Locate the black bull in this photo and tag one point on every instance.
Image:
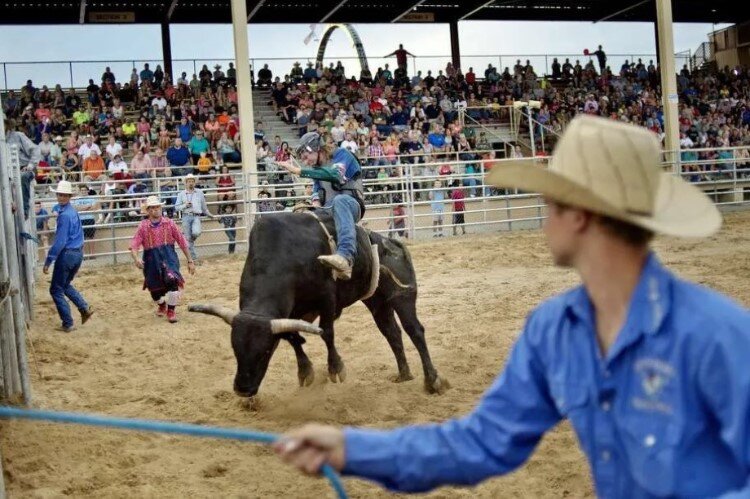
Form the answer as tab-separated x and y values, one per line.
284	288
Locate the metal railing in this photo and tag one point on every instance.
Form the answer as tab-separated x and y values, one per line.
76	73
414	200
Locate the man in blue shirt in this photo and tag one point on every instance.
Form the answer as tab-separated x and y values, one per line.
179	159
651	371
66	254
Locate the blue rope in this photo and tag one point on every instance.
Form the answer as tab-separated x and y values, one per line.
161	427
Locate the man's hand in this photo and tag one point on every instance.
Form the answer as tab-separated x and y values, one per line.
290	167
139	263
46	269
311	446
191	267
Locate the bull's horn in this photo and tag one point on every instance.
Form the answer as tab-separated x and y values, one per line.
279	326
225	313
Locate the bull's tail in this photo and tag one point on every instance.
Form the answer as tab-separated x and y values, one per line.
385	270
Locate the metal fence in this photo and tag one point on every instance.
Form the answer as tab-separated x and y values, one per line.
77	73
415	197
17	269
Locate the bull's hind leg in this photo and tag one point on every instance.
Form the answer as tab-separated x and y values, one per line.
407	311
386	322
305	372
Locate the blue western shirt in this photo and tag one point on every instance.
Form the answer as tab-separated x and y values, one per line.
665	413
68	235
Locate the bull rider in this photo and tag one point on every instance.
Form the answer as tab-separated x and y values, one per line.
337	186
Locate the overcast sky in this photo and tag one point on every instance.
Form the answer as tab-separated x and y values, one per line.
210	43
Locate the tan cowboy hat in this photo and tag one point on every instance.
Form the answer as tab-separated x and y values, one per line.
152	201
63	187
614	169
189	176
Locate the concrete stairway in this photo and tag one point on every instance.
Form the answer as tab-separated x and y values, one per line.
272	125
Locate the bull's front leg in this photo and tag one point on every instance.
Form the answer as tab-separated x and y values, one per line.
336	368
305	372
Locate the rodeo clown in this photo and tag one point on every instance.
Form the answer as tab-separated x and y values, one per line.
157	235
337	186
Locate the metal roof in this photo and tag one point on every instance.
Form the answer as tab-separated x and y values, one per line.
361	11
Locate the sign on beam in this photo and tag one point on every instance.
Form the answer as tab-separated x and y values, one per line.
418	17
112	17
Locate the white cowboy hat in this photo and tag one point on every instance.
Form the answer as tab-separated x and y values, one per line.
189	176
614	169
63	187
58	138
152	201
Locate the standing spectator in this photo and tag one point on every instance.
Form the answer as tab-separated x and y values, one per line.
398	220
601	58
66	254
459	207
157	236
401	57
147	76
29	157
41	216
179	159
192	203
229	222
108	76
437	196
84	204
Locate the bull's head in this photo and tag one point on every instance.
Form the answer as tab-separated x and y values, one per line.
254	340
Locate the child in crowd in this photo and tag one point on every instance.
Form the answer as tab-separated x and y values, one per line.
229	221
437	196
398	221
459	206
204	164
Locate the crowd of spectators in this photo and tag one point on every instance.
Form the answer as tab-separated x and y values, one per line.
125	134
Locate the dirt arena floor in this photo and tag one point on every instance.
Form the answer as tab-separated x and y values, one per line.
475	292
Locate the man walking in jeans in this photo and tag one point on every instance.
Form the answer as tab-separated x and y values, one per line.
192	203
67	254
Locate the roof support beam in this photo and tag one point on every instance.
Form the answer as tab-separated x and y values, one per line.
255	9
170	10
408	10
82	13
335	9
475	10
626	9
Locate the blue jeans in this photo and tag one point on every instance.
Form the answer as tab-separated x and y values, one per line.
191	227
26	179
346	213
66	268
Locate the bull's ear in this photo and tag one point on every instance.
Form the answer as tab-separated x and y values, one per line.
281	326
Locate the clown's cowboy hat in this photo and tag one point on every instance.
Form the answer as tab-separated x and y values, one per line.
614	169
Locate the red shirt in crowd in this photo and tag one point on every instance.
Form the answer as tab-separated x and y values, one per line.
458	200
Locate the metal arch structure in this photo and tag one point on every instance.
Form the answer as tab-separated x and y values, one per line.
356	41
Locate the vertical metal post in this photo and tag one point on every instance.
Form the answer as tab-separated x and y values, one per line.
70	68
455	48
166	49
245	102
546	65
195	68
410	200
5	75
531	132
484	193
668	80
507	211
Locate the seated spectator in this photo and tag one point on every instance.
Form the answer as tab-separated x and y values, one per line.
117	165
179	159
203	165
140	165
85	150
197	145
225	184
93	166
227	149
265	77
